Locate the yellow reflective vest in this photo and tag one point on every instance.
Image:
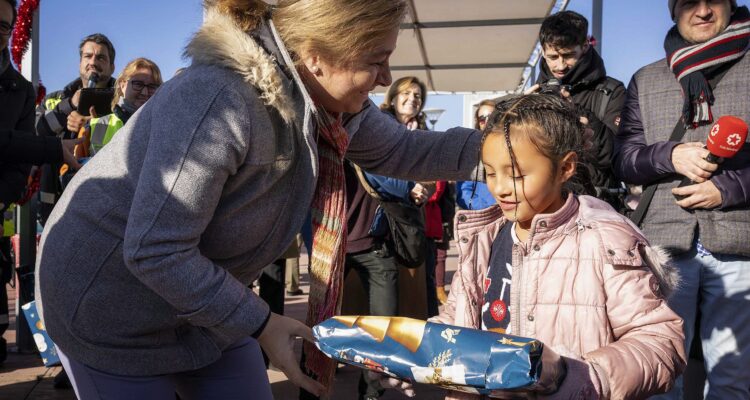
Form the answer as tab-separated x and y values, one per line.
103	129
9	227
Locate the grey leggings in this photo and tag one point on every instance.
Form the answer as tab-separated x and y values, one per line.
238	374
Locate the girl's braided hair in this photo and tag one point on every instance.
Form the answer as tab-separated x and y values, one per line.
553	125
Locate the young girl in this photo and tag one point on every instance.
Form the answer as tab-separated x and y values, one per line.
565	269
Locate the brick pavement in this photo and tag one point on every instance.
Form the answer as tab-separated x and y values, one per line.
23	377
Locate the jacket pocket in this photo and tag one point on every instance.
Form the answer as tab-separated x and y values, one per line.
115	309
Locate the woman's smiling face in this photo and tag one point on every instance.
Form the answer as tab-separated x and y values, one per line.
408	103
345	88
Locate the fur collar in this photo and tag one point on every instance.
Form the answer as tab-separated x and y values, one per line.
220	42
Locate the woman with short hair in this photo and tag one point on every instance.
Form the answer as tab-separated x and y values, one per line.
144	290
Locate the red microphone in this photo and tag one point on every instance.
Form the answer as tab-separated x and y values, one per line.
724	141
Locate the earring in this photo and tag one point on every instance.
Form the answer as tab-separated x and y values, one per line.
314	70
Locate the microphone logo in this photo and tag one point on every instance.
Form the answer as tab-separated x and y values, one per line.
715	129
734	139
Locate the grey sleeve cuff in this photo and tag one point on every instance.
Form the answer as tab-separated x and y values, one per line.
234	312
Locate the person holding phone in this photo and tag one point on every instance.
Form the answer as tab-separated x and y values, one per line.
58	113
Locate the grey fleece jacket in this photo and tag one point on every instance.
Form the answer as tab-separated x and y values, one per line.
146	258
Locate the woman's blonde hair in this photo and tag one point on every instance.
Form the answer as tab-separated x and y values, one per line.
338	30
130	70
399	86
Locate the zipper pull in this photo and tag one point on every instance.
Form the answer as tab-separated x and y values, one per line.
579	223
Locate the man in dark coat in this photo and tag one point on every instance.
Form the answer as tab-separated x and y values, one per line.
573	69
670	109
19	148
17	105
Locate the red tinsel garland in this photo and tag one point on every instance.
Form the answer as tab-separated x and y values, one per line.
22	31
22	37
41	91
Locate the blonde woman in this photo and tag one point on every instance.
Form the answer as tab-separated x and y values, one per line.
136	84
144	290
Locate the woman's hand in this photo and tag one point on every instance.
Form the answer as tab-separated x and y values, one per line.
392	383
277	339
419	194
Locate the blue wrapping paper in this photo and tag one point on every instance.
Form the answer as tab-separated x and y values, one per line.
453	357
47	349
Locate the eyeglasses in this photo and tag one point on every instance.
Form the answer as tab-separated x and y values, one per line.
5	28
139	85
482	119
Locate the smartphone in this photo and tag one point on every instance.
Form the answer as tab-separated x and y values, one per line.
100	98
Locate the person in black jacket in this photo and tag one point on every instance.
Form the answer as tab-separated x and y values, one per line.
17	104
573	69
17	112
19	148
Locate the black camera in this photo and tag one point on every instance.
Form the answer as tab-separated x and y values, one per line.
553	86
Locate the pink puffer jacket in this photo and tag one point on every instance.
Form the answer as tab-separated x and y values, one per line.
587	284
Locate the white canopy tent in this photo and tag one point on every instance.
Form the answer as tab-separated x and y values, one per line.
472	45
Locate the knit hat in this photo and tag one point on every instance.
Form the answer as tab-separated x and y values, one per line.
673	3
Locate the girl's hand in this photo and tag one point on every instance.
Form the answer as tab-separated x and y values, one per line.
277	339
553	371
388	382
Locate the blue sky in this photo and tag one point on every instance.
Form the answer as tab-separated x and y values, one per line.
633	34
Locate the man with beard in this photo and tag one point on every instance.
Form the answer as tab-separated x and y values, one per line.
58	114
670	108
573	69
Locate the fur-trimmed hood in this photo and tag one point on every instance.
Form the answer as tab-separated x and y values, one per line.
220	42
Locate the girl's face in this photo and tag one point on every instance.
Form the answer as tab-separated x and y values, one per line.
408	102
139	88
345	88
538	186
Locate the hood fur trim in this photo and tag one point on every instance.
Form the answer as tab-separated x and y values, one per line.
658	259
220	42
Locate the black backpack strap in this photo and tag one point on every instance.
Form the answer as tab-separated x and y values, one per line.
605	88
648	193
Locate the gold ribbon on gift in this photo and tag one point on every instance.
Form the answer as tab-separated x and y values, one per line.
405	331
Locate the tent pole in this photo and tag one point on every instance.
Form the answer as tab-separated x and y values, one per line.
596	23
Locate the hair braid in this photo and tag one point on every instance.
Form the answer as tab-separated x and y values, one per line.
559	132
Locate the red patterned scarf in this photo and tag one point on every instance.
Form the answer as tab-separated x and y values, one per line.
329	238
690	63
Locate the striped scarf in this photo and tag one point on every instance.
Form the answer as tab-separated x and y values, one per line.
329	238
692	62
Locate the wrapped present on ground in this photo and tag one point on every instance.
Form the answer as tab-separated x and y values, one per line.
47	349
454	357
